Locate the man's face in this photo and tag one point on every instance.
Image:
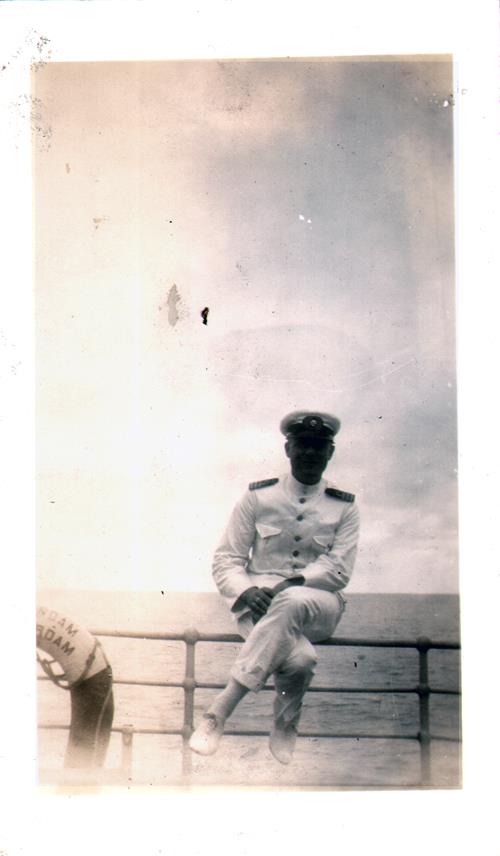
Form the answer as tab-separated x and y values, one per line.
308	457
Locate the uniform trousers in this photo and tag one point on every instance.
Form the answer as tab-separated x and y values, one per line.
92	710
280	644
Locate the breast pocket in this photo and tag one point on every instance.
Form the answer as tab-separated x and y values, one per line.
268	546
323	542
266	531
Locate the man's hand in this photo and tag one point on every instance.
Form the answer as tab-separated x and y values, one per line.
258	600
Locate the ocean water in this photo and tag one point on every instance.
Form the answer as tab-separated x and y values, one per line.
343	762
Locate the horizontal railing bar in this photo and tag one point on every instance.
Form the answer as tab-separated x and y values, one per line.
322	734
133	683
177	732
445	738
251	733
234	637
211	686
445	692
51	726
200	685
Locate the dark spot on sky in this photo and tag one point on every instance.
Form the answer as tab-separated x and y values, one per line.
204	314
172	301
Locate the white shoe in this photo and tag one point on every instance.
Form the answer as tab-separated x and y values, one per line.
206	738
282	742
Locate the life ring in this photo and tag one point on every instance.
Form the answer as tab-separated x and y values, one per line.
86	673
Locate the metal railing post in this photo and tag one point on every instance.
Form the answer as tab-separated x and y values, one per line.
423	645
190	637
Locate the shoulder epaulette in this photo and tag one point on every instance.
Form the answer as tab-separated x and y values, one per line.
340	494
265	483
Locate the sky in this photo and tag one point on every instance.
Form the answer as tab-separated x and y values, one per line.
308	204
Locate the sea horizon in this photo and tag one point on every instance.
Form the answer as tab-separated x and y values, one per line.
384	615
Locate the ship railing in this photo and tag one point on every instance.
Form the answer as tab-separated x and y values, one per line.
192	637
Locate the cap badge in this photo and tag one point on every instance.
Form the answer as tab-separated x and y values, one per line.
313	423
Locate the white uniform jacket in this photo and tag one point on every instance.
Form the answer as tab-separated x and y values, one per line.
284	529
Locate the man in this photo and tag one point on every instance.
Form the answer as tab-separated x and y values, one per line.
87	675
286	554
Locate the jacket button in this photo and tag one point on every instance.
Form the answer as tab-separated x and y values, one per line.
296	553
297	538
300	517
302	499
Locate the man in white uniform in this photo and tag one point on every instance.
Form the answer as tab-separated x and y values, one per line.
286	554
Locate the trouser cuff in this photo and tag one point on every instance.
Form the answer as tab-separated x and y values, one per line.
248	680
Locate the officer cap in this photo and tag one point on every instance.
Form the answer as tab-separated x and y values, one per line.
303	423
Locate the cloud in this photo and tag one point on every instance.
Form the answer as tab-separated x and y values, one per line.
202	171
